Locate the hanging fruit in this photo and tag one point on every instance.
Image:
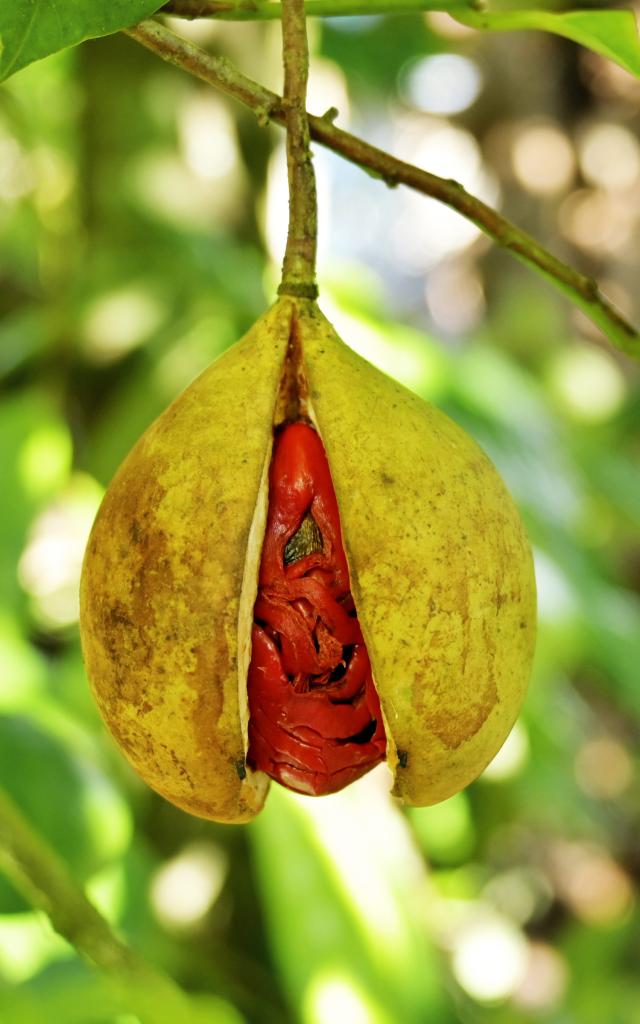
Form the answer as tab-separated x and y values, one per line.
393	569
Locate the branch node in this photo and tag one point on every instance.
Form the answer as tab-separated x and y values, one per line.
299	291
330	115
263	116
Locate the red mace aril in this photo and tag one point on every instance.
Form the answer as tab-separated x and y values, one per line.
315	723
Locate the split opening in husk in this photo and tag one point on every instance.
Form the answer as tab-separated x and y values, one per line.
313	717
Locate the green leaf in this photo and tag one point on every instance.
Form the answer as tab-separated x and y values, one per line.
340	907
32	29
614	34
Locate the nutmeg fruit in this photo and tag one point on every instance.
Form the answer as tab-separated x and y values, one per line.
440	572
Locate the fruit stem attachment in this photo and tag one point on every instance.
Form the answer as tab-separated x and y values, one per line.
299	264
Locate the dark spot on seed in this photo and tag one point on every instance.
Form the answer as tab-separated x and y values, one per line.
403	758
241	769
306	541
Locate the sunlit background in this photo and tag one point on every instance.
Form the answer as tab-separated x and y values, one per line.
142	221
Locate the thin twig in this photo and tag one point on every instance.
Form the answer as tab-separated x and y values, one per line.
42	877
581	290
299	264
267	10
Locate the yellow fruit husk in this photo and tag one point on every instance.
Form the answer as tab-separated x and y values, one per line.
441	571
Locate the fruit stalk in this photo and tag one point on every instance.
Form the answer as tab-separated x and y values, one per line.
299	264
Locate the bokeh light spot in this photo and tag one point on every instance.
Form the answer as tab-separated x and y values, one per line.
545	980
27	945
56	179
445	83
610	156
185	888
520	893
446	26
207	137
543	159
455	296
119	321
44	460
588	383
595	887
490	958
425	231
49	569
594	221
604	768
16	172
334	996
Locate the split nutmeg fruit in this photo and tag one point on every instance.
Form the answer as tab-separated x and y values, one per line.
236	626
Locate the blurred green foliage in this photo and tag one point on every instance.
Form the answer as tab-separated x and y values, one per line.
137	215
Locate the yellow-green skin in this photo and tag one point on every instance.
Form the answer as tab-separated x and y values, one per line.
441	574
